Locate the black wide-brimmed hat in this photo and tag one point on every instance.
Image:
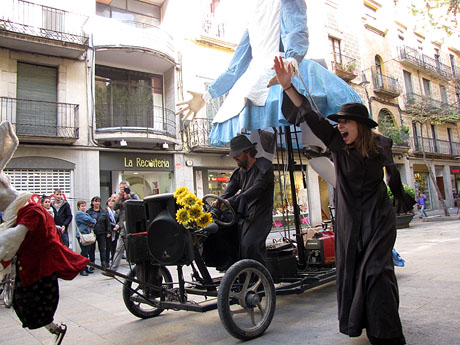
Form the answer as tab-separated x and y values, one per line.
239	144
354	111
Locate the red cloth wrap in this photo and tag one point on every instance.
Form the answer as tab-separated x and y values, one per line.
42	252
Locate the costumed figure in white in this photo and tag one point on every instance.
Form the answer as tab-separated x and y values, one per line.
30	235
277	28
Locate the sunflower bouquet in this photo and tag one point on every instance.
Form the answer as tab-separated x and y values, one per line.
191	214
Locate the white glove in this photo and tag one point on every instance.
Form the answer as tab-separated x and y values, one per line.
193	105
10	241
286	62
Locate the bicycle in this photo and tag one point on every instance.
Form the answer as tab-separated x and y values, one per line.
7	286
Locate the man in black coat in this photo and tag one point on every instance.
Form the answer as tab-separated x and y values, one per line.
62	215
250	192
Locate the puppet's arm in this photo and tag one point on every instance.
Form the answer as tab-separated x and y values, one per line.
10	241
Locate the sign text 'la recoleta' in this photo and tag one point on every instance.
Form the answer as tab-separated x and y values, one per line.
145	163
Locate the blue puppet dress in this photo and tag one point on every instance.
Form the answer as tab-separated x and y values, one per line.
277	27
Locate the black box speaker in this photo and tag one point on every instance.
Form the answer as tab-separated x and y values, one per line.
137	247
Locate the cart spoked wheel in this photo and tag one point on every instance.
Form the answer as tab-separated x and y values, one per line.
134	293
246	299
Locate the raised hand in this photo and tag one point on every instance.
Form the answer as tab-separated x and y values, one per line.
287	67
193	106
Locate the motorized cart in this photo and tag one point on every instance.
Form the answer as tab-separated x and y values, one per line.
245	295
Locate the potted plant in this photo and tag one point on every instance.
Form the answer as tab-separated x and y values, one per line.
403	219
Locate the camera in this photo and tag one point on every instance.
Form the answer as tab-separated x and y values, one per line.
127	190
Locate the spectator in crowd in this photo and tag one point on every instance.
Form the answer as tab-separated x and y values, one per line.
102	229
113	217
421	201
62	215
46	203
124	194
84	224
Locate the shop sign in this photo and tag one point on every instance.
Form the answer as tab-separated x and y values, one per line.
133	161
219	178
455	170
139	162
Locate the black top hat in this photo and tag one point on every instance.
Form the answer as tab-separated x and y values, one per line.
239	144
354	111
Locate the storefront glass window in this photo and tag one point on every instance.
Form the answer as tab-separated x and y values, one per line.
218	181
422	186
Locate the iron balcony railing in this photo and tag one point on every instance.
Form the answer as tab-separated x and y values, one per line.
40	118
27	18
430	145
415	103
385	84
197	132
135	118
197	135
418	58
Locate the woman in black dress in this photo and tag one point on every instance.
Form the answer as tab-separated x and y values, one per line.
367	291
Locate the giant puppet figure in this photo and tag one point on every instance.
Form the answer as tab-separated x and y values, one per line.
29	234
277	28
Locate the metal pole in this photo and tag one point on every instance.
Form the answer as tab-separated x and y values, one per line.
291	163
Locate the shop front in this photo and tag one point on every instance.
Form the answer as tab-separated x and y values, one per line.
422	183
147	173
455	173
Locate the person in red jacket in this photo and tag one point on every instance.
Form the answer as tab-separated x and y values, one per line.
29	234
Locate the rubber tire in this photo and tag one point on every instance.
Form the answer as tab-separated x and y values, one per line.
230	312
136	307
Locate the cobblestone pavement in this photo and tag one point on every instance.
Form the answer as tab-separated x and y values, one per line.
429	287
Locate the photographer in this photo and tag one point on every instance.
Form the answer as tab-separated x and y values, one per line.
123	195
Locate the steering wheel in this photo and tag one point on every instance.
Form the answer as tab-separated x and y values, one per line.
218	206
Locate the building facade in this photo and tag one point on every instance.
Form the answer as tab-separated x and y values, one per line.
92	91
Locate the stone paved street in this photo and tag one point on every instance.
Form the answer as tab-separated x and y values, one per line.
429	286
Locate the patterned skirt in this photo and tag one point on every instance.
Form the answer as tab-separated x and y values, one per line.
36	304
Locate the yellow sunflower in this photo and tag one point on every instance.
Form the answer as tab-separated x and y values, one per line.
195	213
181	191
189	200
182	216
204	220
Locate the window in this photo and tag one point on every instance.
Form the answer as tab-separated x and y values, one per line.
336	50
426	87
131	12
453	65
443	93
408	82
128	98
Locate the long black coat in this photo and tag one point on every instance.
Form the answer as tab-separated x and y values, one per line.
251	195
367	291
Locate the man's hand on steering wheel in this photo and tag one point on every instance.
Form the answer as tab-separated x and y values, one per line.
217	208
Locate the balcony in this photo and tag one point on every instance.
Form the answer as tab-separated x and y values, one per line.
41	29
41	121
435	146
385	86
135	122
417	104
134	45
434	67
197	136
344	67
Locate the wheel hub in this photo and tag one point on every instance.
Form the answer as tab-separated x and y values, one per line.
252	299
